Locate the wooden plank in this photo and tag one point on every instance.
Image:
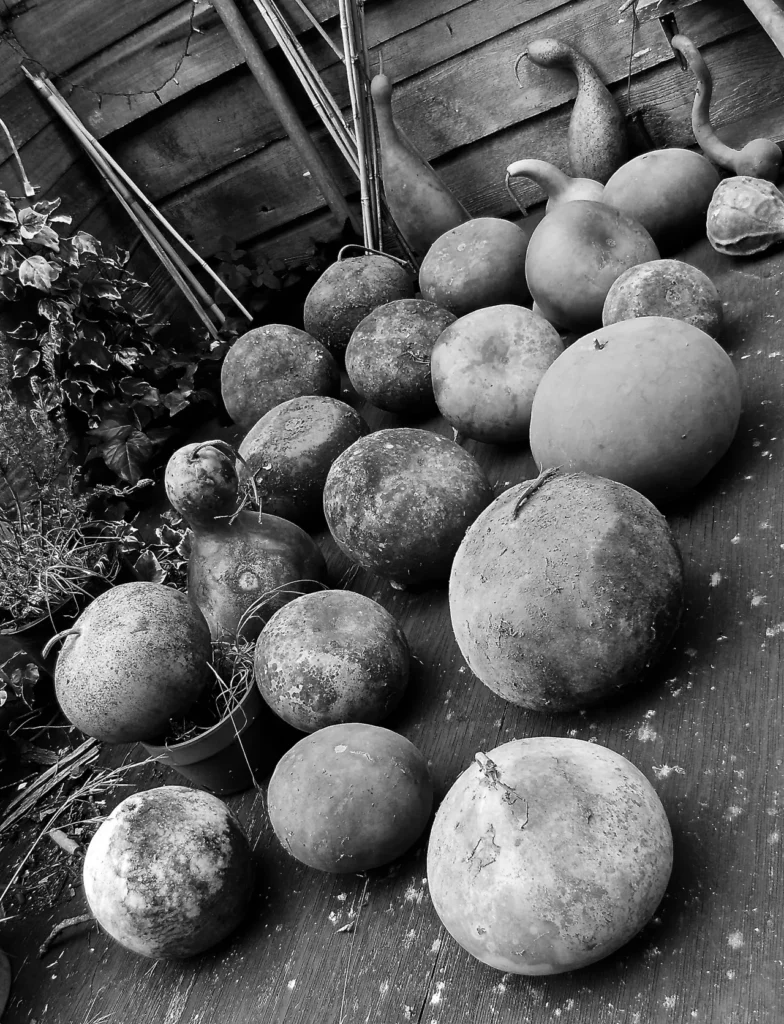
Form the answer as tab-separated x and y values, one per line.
707	731
59	36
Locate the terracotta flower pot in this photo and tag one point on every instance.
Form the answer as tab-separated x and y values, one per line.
233	755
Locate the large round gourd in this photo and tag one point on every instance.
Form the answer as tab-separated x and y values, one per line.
575	254
548	854
398	502
347	291
350	797
289	451
486	367
272	364
668	192
169	873
665	288
479	263
564	591
652	402
138	655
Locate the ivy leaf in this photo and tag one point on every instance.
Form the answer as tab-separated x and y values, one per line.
127	357
31	222
50	309
80	394
47	237
148	569
9	288
105	290
47	206
143	392
7	211
85	352
124	449
175	402
26	331
38	272
25	360
84	242
9	259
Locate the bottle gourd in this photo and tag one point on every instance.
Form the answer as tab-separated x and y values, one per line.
421	205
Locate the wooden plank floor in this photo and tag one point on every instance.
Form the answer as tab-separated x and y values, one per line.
708	732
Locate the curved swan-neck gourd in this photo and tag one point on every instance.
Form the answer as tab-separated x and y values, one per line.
420	203
558	186
596	140
759	158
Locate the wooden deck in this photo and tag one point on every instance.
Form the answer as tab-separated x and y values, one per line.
708	733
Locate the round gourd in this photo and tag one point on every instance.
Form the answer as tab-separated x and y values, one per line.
576	253
665	288
169	873
289	451
564	590
271	364
548	854
398	502
486	367
331	657
653	402
388	354
138	655
347	291
479	263
350	797
668	192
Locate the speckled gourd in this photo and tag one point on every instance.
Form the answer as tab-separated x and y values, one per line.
597	142
745	216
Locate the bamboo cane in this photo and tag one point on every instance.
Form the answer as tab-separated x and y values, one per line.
48	90
771	18
260	68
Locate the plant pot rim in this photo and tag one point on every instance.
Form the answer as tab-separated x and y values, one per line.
216	738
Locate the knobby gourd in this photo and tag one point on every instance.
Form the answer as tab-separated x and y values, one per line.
745	216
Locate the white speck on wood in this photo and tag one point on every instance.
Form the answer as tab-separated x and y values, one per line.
715	579
735	539
774	838
645	734
436	946
735	940
757	599
663	771
290	984
437	996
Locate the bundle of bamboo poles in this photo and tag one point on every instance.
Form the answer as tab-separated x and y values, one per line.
149	220
358	144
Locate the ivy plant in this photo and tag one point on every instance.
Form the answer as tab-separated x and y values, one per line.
73	337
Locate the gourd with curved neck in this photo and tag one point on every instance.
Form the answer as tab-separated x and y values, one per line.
242	565
759	158
421	205
557	186
596	138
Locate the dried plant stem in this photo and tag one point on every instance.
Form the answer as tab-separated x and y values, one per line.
48	90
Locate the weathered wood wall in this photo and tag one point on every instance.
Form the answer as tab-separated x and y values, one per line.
162	85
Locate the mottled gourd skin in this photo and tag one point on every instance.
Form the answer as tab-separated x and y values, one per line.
331	657
289	452
201	482
350	798
563	598
271	364
388	354
234	563
665	288
486	367
652	402
479	263
347	291
596	138
141	654
169	873
398	502
548	854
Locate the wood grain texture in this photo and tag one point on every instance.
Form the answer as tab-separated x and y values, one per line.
707	730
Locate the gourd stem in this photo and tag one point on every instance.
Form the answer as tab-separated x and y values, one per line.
73	631
375	252
548	177
704	133
534	486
